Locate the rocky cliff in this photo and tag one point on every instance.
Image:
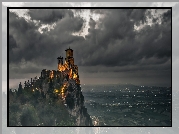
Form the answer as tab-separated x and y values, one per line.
74	101
61	88
61	84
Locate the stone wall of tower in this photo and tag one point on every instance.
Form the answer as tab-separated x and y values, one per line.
69	53
60	62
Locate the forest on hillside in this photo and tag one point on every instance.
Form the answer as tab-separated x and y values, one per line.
33	109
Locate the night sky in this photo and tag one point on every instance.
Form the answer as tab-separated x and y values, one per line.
111	46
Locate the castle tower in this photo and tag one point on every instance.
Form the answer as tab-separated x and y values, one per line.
69	52
60	62
69	57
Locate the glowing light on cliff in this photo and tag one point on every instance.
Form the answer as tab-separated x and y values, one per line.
74	76
51	74
63	91
56	90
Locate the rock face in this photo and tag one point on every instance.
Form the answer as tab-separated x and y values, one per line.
75	103
72	97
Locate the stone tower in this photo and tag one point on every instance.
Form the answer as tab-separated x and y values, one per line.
60	62
69	57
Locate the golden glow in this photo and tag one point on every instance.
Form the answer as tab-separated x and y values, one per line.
63	90
51	74
74	76
61	67
70	73
56	91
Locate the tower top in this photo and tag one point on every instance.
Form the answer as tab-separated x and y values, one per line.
60	58
69	49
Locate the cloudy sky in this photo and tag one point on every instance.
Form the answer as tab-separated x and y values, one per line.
111	46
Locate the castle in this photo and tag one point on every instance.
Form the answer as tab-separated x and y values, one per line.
66	73
68	68
63	84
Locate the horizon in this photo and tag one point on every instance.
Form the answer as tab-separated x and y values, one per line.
15	85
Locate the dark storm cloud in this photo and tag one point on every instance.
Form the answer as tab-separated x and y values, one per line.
139	15
49	15
40	48
12	43
115	46
140	67
166	17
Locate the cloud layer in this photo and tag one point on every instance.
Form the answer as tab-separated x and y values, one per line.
112	44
